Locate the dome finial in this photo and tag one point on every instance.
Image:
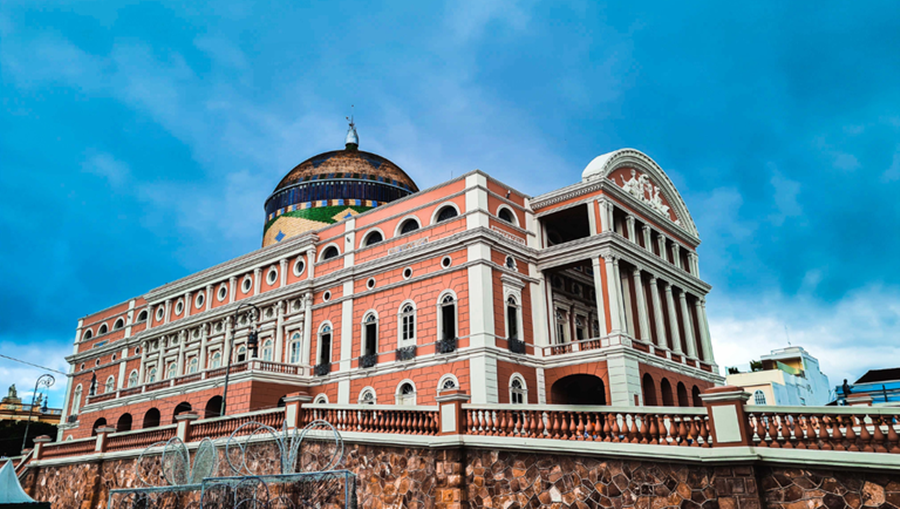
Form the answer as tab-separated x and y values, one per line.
352	141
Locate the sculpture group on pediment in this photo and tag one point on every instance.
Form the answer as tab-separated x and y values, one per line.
643	189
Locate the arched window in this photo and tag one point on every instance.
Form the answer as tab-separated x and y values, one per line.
682	395
562	326
133	379
267	351
103	329
512	318
407	325
325	344
406	393
665	388
446	212
447	317
151	418
193	365
142	316
76	400
518	391
759	397
367	396
99	423
448	382
151	375
409	225
370	334
181	408
695	397
124	423
172	370
241	353
213	407
110	385
119	324
88	334
649	390
330	252
373	238
505	214
321	399
294	357
216	360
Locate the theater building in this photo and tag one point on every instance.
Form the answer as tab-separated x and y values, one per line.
372	291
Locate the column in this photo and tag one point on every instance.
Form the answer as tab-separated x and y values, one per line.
279	329
143	366
676	254
232	287
310	262
661	244
283	271
704	333
166	315
629	223
598	293
615	295
226	344
604	216
204	335
257	280
209	297
673	319
691	262
306	350
182	339
188	304
620	300
643	316
658	314
688	326
646	231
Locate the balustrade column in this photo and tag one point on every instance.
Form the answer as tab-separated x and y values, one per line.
673	319
704	333
629	223
614	283
688	326
643	316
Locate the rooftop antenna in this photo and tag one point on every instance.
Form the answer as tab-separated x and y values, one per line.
352	141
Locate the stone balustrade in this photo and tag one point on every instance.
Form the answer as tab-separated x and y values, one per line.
854	429
377	418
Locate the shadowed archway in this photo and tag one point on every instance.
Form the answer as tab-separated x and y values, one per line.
578	389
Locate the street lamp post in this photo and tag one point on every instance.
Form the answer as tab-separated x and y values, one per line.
45	380
252	342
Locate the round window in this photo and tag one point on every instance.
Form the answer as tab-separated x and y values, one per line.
179	307
223	292
299	267
272	276
159	313
510	262
198	302
97	362
407	273
246	284
446	261
82	367
114	357
326	296
370	283
137	350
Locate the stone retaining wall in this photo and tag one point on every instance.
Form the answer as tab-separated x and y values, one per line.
395	477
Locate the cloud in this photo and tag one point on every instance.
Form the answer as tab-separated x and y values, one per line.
469	19
786	192
892	174
105	165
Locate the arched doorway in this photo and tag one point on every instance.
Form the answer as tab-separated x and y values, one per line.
99	423
649	389
124	423
665	388
213	407
151	418
181	408
578	390
695	396
682	395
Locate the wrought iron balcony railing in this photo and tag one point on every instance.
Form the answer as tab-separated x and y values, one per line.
367	361
516	345
447	345
406	353
322	369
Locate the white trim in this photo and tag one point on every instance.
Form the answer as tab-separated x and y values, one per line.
524	391
434	213
440	313
403	220
511	211
199	300
321	399
219	295
365	389
246	281
179	302
102	327
300	259
398	395
415	316
446	377
137	378
319	332
365	236
77	395
273	269
449	264
119	319
365	338
321	256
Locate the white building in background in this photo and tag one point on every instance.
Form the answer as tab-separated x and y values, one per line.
789	376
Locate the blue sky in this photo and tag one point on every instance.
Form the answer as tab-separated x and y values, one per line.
139	140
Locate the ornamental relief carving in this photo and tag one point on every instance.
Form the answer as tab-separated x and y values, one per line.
642	188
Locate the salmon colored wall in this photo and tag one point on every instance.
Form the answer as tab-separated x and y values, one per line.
498	188
658	374
505	371
425	380
597	369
